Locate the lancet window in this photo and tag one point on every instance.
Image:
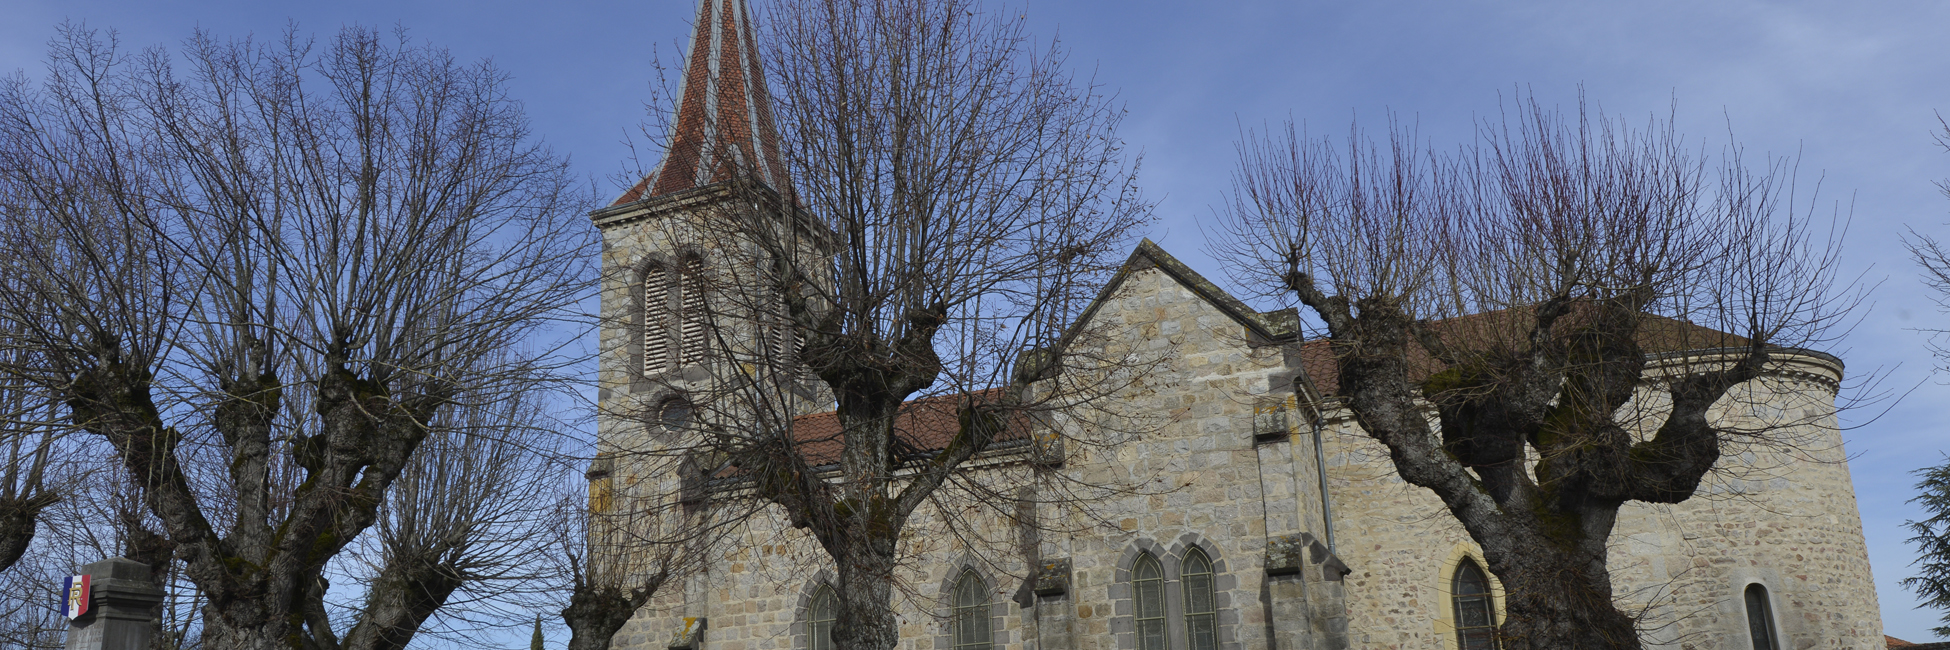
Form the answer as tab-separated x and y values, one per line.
1175	615
1148	585
1475	610
819	623
1201	614
971	613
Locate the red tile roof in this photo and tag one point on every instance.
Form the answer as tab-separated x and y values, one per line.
724	114
923	426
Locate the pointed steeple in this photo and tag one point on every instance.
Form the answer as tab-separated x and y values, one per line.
724	117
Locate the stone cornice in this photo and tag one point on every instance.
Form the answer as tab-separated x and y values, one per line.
660	206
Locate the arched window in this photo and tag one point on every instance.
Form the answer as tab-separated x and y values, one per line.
673	315
785	342
1148	584
1201	616
1475	611
971	612
656	320
1760	618
692	315
819	623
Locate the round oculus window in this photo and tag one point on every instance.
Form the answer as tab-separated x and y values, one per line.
675	414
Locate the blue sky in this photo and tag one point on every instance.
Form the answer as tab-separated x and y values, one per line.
1851	87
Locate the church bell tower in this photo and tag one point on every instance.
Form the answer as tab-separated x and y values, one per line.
682	305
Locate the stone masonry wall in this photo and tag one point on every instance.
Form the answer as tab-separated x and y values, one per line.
1184	472
1201	446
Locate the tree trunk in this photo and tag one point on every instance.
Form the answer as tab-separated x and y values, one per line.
596	613
240	624
1543	528
1557	590
865	595
599	605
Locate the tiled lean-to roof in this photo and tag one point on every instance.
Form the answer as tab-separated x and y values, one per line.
923	425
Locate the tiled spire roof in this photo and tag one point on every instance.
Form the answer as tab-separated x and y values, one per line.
724	117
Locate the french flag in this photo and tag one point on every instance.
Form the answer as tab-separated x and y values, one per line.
76	587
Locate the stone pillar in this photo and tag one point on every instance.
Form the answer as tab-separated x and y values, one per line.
692	636
1047	594
121	608
1326	595
1306	598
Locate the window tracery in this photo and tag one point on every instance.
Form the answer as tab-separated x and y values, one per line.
819	619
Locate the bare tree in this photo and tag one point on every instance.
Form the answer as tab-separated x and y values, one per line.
29	437
1506	319
98	515
618	556
952	198
467	518
1933	256
1932	537
30	433
63	532
268	283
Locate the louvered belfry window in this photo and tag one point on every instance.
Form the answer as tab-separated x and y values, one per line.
785	348
691	288
656	320
674	316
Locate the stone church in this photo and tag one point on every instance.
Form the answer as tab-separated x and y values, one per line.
1272	521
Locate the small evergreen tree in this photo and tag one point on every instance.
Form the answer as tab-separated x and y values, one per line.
1932	540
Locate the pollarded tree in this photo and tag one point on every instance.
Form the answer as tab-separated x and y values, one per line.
1496	315
620	555
464	521
268	282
